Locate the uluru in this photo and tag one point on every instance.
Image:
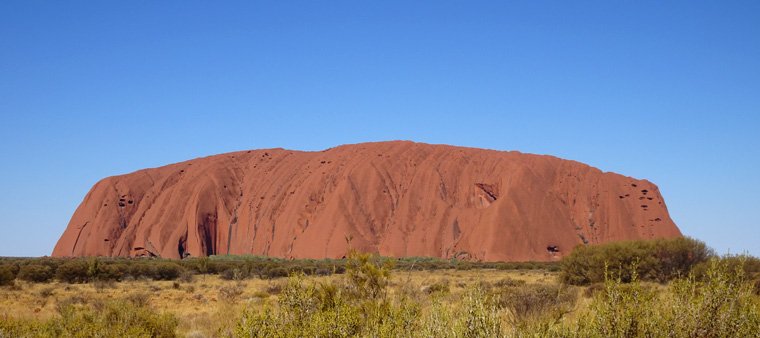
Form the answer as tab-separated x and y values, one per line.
396	198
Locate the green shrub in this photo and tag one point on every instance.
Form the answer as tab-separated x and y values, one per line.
339	268
140	269
530	265
217	267
113	272
368	275
202	265
166	271
275	272
35	273
308	270
676	257
93	268
49	262
656	260
233	274
463	265
7	277
73	271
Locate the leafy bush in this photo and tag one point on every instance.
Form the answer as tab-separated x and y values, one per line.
74	271
166	271
658	260
275	272
140	269
464	265
35	273
368	275
7	275
233	274
112	272
676	257
530	265
94	268
228	274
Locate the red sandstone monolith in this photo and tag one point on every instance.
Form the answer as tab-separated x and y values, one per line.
395	198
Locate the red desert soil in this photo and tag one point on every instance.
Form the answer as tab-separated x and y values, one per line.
396	198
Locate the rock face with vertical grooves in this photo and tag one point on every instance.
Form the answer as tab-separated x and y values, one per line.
396	198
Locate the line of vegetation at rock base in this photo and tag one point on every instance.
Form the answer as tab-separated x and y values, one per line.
658	260
230	267
702	295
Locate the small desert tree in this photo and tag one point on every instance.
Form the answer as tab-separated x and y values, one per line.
202	264
93	268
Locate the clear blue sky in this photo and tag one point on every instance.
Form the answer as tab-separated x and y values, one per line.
668	92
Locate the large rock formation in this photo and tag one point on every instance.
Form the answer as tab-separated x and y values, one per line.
396	198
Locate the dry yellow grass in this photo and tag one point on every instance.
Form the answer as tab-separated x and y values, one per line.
204	307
